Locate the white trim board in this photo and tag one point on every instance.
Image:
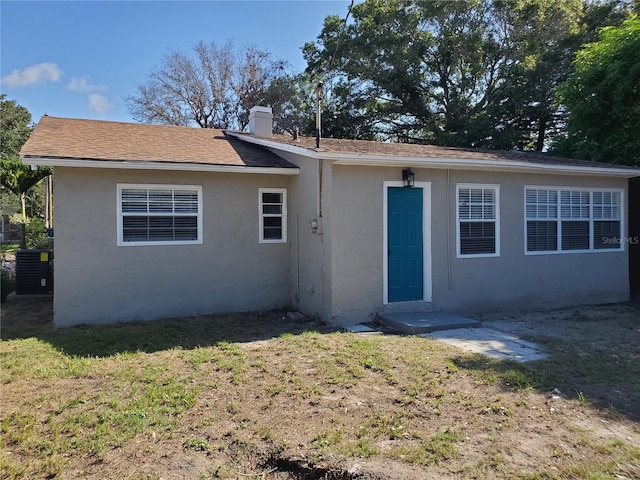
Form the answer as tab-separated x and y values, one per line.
273	144
155	165
477	165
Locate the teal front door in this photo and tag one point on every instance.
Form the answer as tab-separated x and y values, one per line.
405	247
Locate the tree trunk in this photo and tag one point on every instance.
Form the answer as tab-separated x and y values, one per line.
542	130
48	203
23	205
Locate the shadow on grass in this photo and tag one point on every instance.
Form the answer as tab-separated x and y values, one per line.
514	375
604	367
604	372
26	317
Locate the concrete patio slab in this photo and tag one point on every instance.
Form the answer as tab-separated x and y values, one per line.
359	328
494	343
424	322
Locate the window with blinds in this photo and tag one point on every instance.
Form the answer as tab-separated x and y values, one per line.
478	220
273	215
572	220
159	214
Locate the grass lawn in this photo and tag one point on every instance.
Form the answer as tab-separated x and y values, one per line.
259	396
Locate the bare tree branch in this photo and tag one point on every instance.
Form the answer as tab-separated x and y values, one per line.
215	88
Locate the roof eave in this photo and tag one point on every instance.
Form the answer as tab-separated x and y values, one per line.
34	160
476	164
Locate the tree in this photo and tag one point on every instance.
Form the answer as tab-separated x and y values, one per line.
381	57
293	99
19	179
539	41
293	102
16	177
14	127
603	98
466	73
214	88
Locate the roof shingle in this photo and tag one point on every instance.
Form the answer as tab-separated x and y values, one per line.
409	150
67	138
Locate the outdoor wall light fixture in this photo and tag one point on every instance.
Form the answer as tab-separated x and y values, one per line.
408	177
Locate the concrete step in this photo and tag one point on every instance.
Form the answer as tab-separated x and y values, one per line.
404	307
425	322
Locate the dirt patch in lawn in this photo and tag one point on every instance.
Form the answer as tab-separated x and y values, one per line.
262	396
596	350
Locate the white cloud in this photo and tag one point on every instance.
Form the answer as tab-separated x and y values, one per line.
33	75
99	103
83	84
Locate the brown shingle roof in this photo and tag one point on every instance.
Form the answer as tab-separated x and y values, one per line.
68	138
375	148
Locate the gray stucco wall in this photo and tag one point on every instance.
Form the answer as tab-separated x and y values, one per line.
336	275
310	252
512	280
98	282
357	241
516	280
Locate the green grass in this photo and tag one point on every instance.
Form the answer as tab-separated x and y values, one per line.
438	448
8	248
197	444
137	399
199	386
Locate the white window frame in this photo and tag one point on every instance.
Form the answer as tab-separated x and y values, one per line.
262	216
559	219
158	186
486	186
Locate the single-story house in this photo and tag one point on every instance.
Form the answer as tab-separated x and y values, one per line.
160	221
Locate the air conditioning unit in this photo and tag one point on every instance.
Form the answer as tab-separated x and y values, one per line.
34	272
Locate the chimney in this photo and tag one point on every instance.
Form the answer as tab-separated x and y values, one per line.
261	121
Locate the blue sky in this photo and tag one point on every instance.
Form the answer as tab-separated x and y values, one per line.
80	59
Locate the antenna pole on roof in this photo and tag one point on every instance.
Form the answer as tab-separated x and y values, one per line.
319	97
